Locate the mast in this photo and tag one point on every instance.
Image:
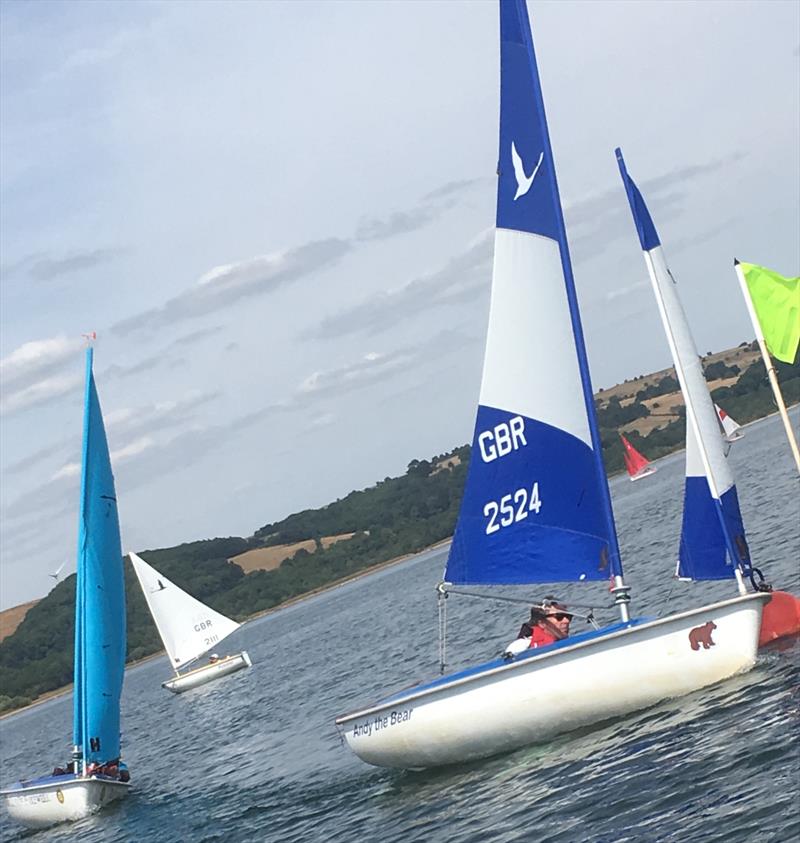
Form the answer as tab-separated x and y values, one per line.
79	725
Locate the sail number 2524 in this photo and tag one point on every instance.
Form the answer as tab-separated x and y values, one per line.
512	508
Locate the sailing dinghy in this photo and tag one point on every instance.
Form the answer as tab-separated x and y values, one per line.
636	465
96	775
188	628
536	506
733	430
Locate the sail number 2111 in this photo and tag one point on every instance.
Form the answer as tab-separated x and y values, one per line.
512	508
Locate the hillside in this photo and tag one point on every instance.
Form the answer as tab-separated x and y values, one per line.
398	515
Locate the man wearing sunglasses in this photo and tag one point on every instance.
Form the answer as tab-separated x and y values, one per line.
548	623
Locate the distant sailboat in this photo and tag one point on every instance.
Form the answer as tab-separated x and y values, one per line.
188	628
636	465
536	505
732	429
96	775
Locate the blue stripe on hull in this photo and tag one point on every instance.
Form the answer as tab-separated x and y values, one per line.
501	538
703	551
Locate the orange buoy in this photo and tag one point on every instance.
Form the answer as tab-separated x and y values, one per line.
781	617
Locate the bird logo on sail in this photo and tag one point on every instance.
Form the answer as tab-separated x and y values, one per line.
523	182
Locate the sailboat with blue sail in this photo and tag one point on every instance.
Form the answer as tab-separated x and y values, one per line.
96	774
536	506
713	543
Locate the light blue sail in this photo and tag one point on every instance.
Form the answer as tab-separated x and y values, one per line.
536	505
713	543
100	596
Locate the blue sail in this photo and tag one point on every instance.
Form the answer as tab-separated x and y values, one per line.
100	596
536	505
713	543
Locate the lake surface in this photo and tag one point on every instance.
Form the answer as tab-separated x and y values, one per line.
256	757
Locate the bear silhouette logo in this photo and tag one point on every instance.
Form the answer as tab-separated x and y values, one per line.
701	635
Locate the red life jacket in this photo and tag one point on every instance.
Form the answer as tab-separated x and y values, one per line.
541	637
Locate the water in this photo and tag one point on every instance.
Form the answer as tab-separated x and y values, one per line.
256	756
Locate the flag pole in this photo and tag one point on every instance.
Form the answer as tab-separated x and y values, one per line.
773	378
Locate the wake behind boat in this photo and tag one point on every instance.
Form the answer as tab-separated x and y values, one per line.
536	506
188	628
95	776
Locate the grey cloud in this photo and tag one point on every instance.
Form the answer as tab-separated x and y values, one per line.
452	188
198	336
459	279
375	367
36	457
226	285
400	222
431	206
596	221
42	267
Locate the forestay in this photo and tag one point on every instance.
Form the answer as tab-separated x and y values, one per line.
713	544
187	627
99	597
536	506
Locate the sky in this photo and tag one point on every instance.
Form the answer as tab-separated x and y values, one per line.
278	219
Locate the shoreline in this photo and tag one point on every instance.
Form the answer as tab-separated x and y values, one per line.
48	695
396	560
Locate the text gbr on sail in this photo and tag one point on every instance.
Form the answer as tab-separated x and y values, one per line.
502	439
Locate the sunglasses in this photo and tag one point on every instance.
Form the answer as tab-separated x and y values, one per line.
560	616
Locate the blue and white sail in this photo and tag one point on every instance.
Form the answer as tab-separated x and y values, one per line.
536	505
713	544
100	596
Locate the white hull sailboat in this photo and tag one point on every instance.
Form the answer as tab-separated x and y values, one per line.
732	429
96	775
503	705
536	505
214	670
188	628
57	799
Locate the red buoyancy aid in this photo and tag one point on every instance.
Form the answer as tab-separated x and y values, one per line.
541	637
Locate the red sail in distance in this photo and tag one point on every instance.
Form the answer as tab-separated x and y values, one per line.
634	461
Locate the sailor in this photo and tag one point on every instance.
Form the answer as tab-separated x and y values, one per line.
547	624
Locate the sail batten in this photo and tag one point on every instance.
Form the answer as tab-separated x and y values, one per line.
536	505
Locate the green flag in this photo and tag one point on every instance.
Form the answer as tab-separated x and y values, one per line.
776	301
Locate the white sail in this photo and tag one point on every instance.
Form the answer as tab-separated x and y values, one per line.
732	428
187	627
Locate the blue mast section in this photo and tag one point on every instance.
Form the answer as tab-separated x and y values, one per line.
514	26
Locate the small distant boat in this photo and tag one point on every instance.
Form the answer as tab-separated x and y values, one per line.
636	465
732	429
96	775
188	628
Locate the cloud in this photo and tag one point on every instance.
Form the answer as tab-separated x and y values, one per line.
49	389
457	281
426	211
41	267
225	285
375	366
39	358
598	220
